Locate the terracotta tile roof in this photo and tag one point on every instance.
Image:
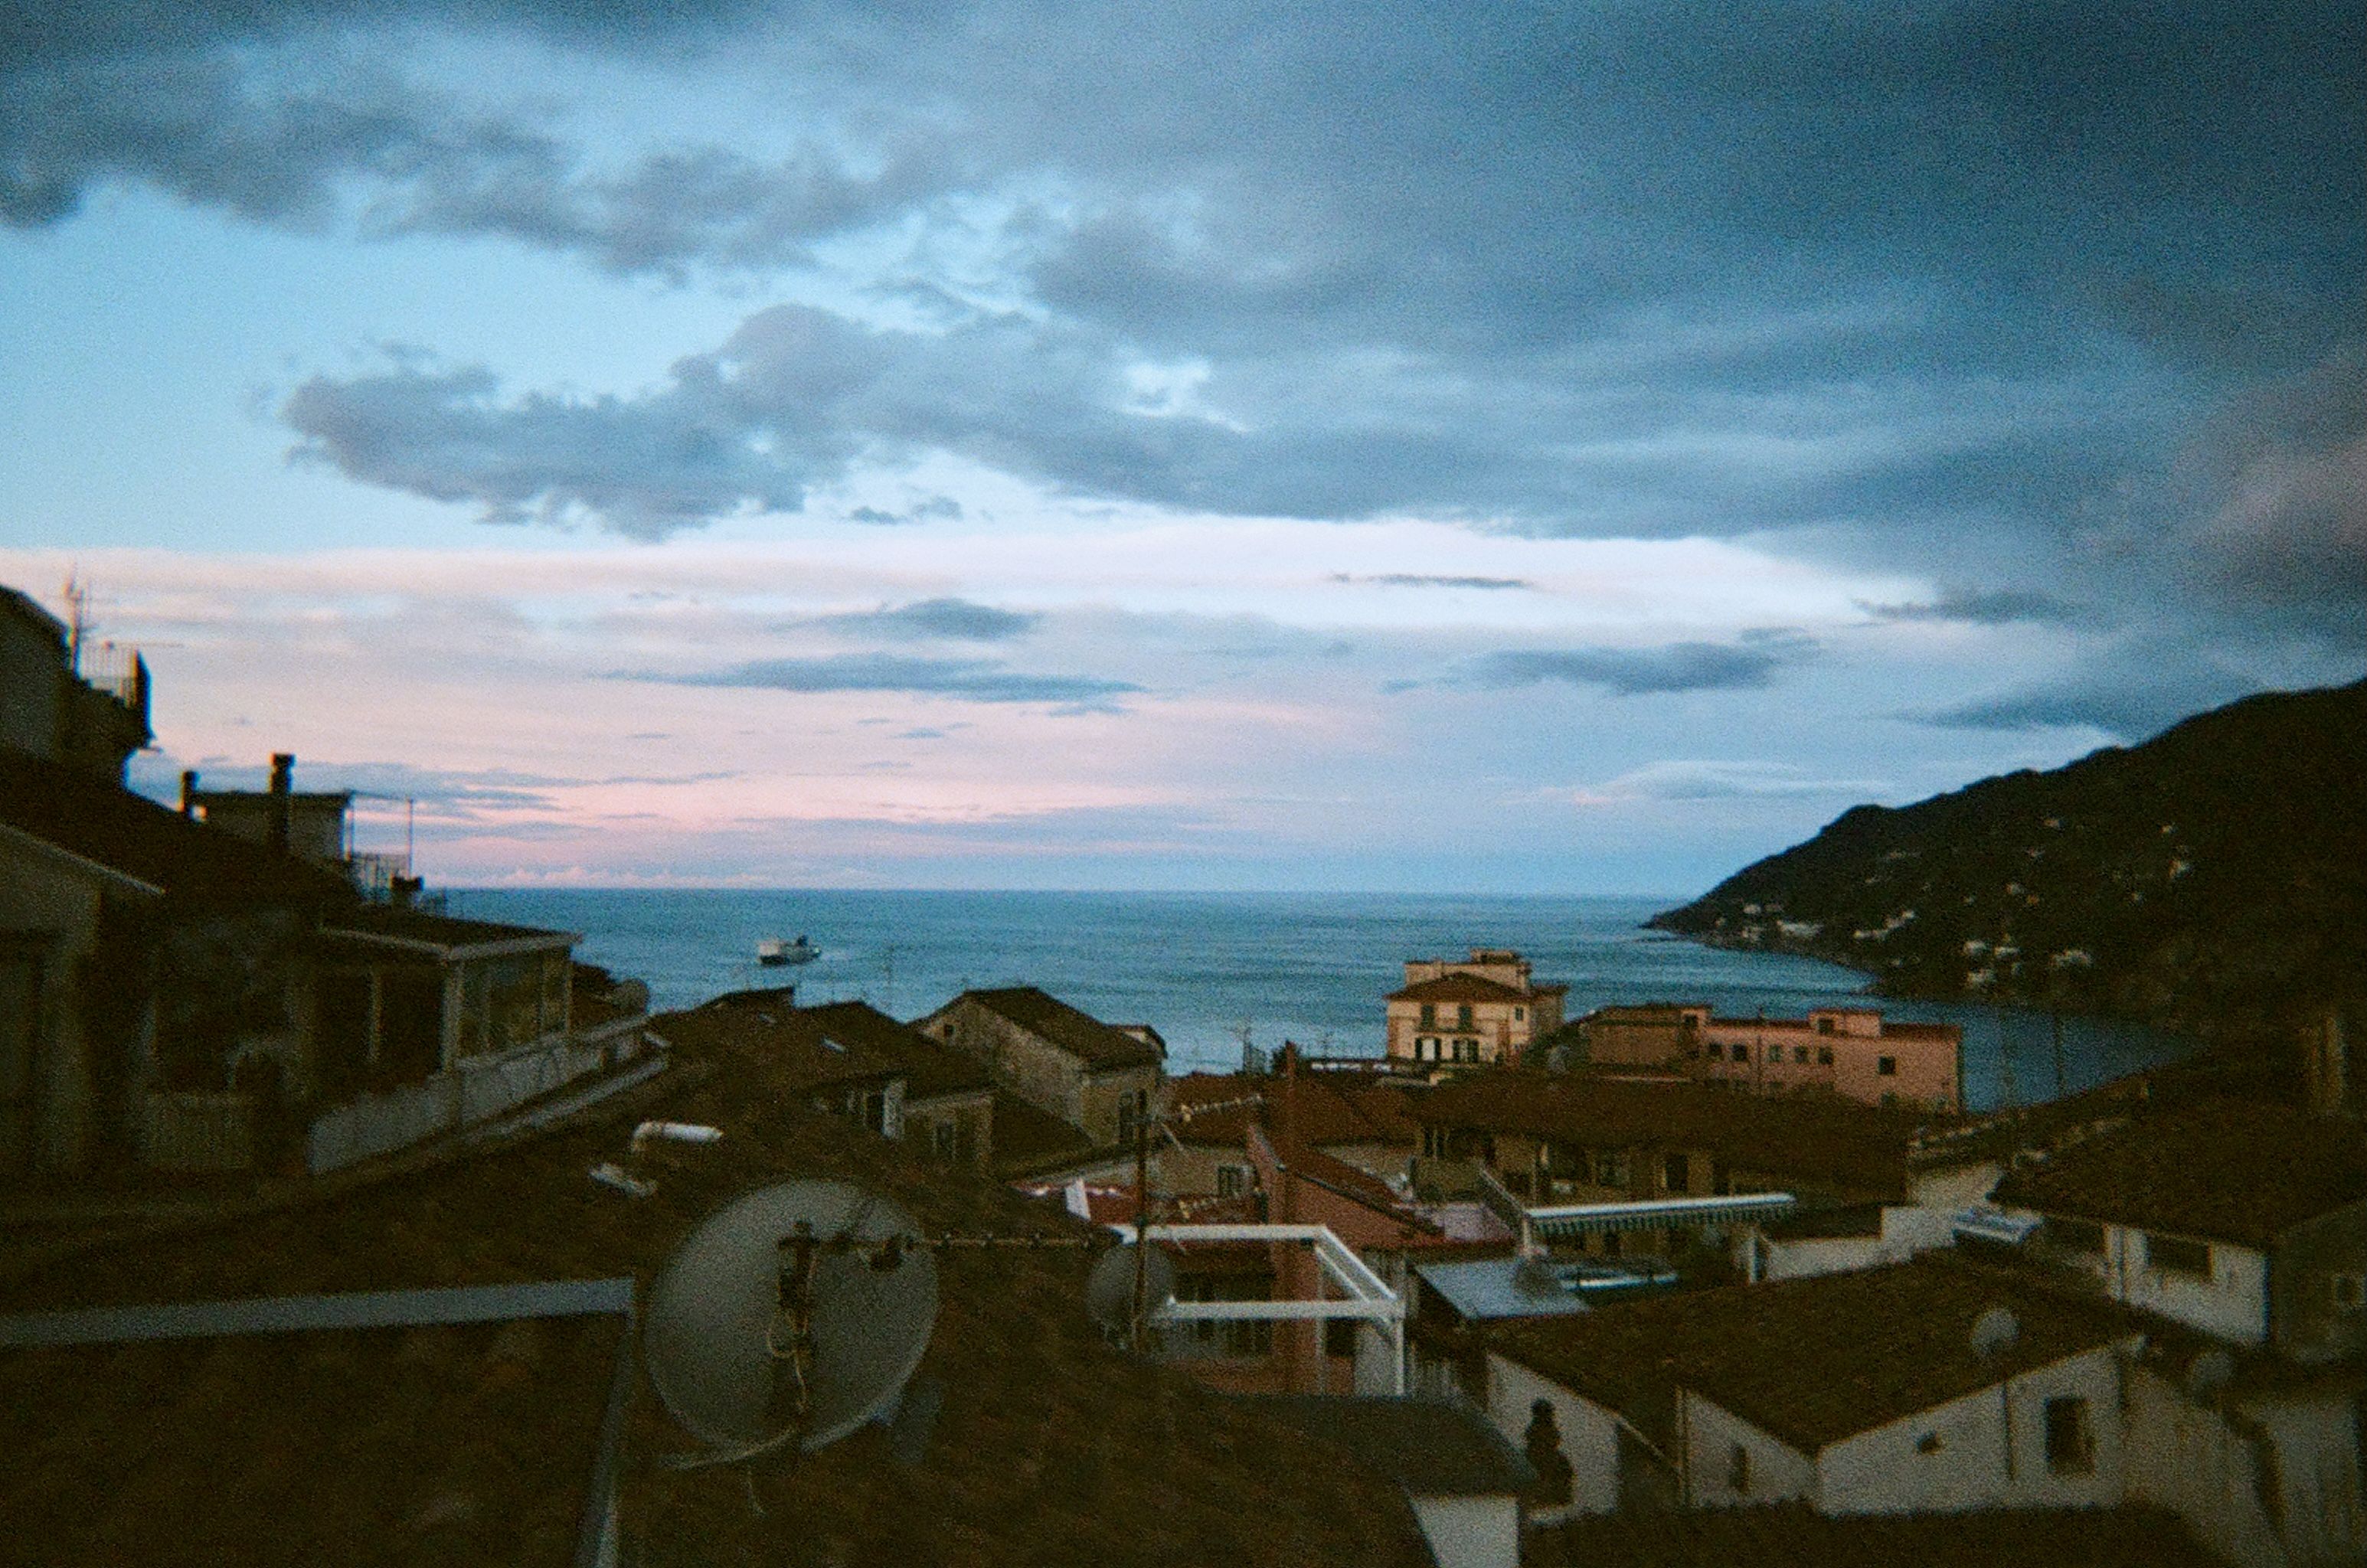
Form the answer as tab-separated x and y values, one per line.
1097	1044
1049	1446
1461	988
450	1443
1789	1536
931	1067
140	839
2233	1170
435	930
1028	1139
1818	1360
1430	1446
1322	1114
799	1052
1863	1149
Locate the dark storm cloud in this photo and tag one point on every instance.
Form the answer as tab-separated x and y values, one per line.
1919	279
968	680
1983	607
954	618
1642	672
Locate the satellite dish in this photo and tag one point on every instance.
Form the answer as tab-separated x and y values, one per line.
795	1313
1994	1332
1109	1288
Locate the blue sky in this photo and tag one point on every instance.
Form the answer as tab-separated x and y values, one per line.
1485	448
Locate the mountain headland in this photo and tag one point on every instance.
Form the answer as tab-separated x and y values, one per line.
2213	879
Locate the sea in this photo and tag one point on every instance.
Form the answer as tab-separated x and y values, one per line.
1214	972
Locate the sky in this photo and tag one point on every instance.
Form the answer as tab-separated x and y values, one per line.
1478	447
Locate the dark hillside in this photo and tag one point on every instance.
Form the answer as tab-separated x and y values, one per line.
2213	878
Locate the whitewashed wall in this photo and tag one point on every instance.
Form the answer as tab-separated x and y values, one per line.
2191	1461
1471	1532
1589	1434
1778	1471
1992	1450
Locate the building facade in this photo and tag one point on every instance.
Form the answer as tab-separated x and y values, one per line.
1099	1079
1483	1009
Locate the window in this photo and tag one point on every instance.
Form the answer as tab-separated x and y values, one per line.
1824	1055
2171	1255
1737	1471
1466	1050
2070	1443
871	1108
1430	1015
1232	1180
1887	1066
1800	1054
1824	1026
1129	1116
1610	1171
1676	1173
1520	1015
2349	1292
1426	1048
1463	1016
943	1139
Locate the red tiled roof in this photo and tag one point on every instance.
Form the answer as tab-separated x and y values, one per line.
1858	1146
1788	1535
1818	1360
136	837
2234	1170
1100	1046
1460	988
1049	1446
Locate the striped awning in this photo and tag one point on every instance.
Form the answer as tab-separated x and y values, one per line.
1580	1219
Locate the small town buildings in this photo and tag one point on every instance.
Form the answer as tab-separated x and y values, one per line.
1099	1078
1925	1387
851	1059
1203	1141
1555	1139
1485	1008
2242	1219
1849	1051
1025	1438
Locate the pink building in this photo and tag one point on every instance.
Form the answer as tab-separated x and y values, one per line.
1852	1052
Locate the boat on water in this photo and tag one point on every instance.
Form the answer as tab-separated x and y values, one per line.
772	952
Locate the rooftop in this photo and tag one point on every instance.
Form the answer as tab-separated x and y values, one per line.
1790	1535
1049	1445
1462	988
136	838
805	1048
1430	1446
1488	1290
1862	1147
1818	1360
1100	1046
2244	1171
451	1442
427	929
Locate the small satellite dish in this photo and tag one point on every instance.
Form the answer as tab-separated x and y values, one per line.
794	1314
1109	1288
1994	1332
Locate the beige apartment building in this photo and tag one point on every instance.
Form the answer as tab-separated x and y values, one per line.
1849	1051
1485	1008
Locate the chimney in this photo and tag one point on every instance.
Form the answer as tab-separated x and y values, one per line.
188	791
283	771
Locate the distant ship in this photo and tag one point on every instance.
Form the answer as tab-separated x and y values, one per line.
772	951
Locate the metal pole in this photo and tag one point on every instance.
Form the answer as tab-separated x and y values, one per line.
1141	1227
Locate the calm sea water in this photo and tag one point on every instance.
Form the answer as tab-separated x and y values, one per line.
1206	969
